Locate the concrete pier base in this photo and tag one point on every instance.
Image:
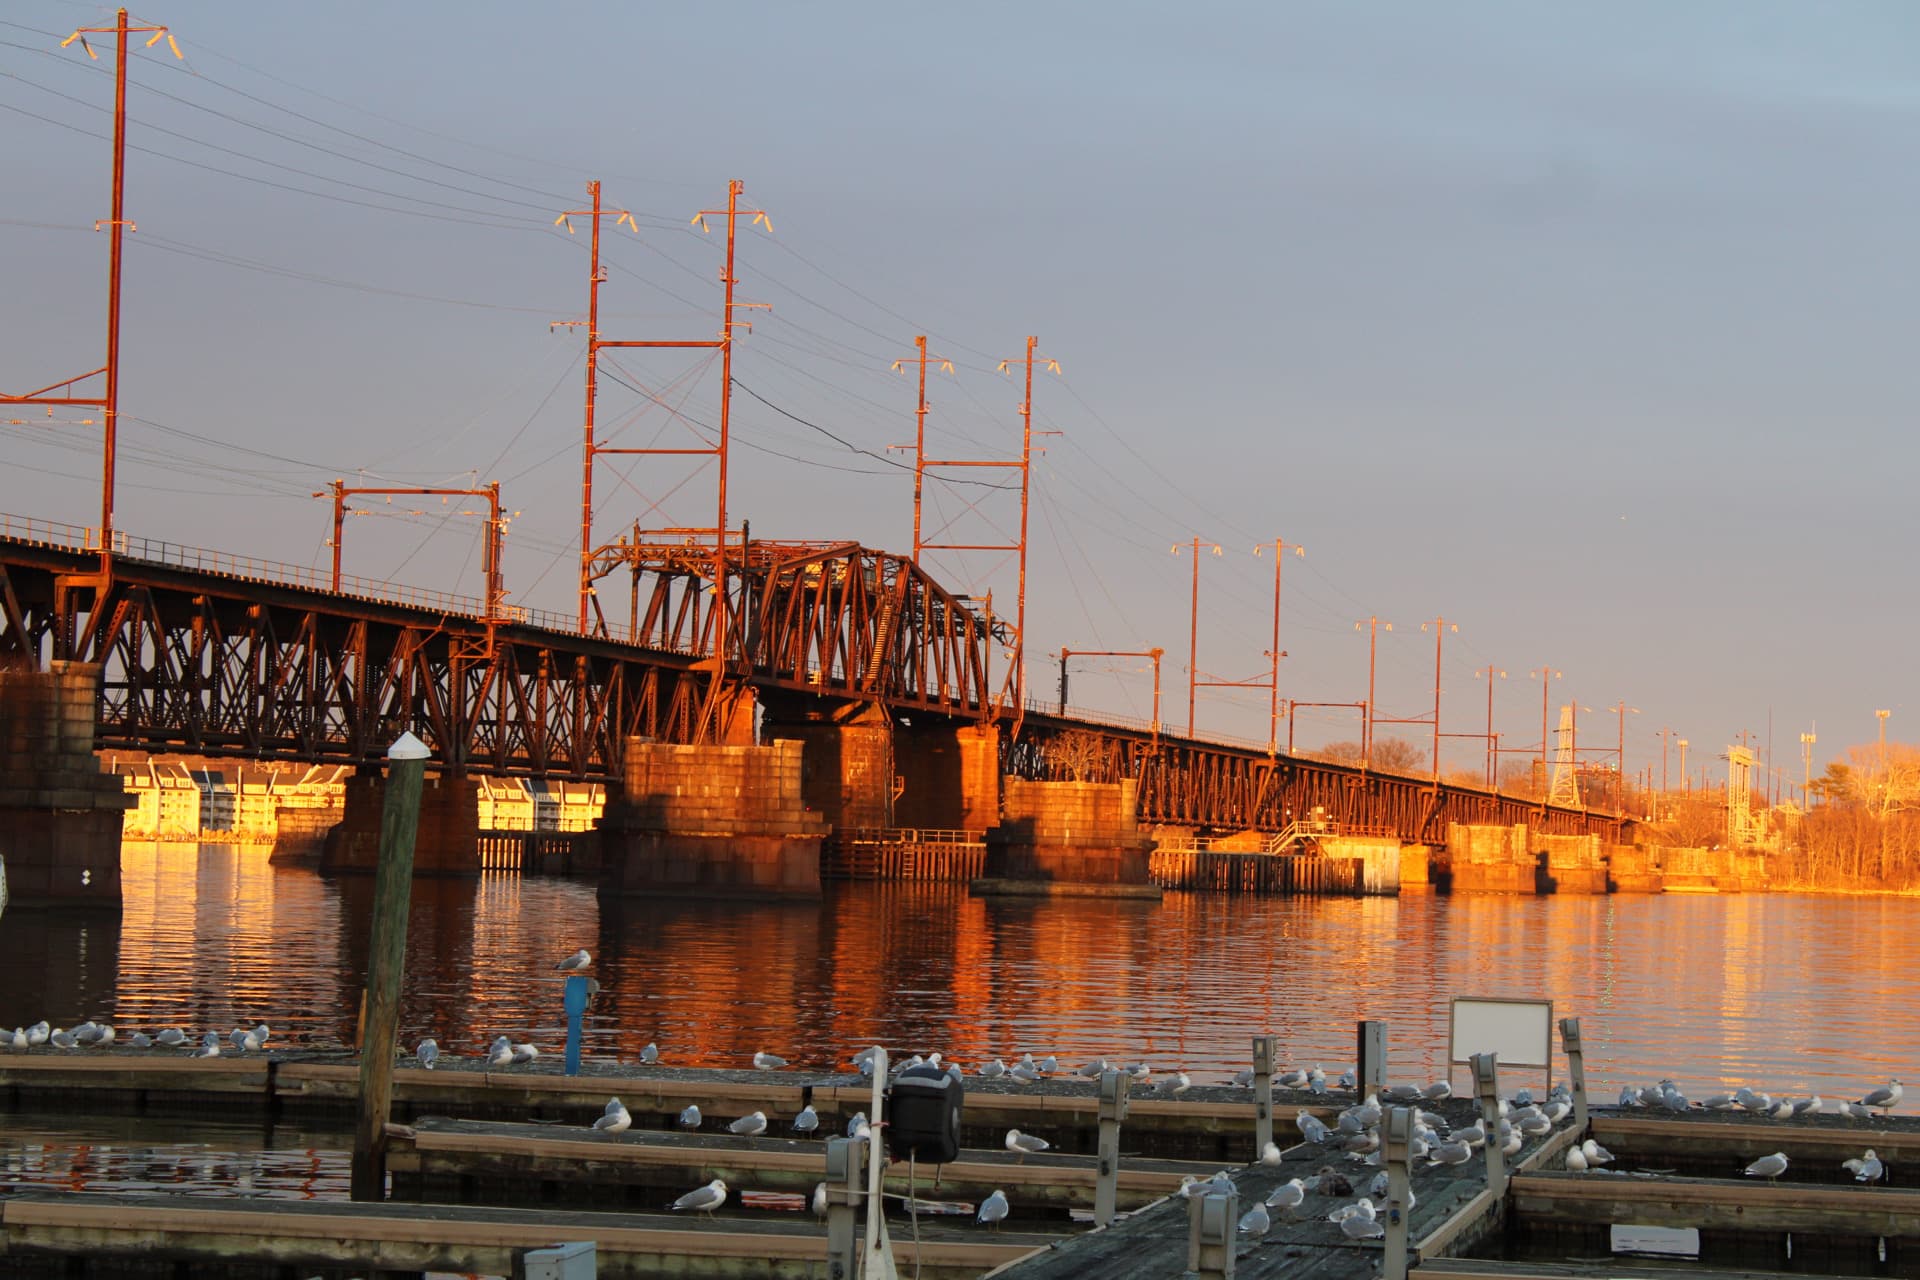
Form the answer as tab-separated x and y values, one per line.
1067	838
300	834
447	842
712	820
60	815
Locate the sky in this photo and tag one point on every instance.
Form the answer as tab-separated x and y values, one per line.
1583	328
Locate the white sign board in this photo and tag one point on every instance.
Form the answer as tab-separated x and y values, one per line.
1666	1242
1519	1031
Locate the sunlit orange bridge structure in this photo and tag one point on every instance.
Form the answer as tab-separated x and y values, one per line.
215	654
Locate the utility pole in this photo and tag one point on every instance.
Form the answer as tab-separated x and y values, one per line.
1493	750
1807	740
1685	783
108	401
1440	626
1373	625
1546	676
1665	734
490	547
920	440
1193	631
1620	763
723	344
1154	654
1883	713
1276	653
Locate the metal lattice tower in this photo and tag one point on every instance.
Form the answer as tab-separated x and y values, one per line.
1744	827
1565	787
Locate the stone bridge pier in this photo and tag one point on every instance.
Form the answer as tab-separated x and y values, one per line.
863	768
60	815
446	843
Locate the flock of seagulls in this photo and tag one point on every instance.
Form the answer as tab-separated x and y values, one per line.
100	1035
1666	1096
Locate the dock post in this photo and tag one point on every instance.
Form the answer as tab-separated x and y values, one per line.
1213	1229
1264	1048
1113	1109
574	999
1486	1083
846	1185
386	957
1576	1071
1398	1137
1372	1058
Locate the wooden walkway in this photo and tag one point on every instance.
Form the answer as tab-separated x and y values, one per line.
265	1237
469	1162
1717	1204
1454	1209
903	853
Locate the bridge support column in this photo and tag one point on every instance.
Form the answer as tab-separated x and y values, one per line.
448	840
712	820
846	764
1067	838
60	816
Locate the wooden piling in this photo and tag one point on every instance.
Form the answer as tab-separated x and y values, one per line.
386	957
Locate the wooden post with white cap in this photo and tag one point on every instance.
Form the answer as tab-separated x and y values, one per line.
386	958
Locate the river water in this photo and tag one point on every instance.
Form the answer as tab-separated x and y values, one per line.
1789	993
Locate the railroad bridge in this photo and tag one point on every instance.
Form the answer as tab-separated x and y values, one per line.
886	678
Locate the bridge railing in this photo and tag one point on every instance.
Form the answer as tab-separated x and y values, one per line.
49	533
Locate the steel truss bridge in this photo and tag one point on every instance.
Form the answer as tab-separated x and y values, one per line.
213	654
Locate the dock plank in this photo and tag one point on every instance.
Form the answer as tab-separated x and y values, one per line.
1647	1200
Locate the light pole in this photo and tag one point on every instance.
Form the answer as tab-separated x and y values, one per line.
1686	784
1545	675
1493	751
1276	653
1807	740
1620	759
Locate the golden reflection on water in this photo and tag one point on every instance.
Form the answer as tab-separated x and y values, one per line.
1788	993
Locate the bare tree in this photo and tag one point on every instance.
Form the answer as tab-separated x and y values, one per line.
1079	753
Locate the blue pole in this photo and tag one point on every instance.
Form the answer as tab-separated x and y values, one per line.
576	1005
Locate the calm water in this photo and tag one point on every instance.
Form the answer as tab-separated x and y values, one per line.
1789	993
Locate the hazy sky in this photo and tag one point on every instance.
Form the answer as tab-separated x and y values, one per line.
1586	327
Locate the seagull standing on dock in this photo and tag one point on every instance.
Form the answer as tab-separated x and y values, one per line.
690	1118
993	1070
1576	1160
1288	1196
1596	1154
1866	1168
140	1040
1270	1154
1255	1222
427	1052
523	1054
993	1210
749	1126
1172	1086
209	1046
807	1123
1311	1127
500	1052
615	1119
1021	1073
705	1200
575	963
650	1054
763	1061
1886	1098
172	1038
1768	1167
857	1128
1025	1144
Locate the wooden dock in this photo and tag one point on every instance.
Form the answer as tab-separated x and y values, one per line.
1207	1122
1717	1204
469	1162
78	1235
1220	871
1455	1211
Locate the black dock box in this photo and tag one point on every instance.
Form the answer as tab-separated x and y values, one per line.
923	1117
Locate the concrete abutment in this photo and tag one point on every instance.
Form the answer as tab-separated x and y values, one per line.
1067	838
60	814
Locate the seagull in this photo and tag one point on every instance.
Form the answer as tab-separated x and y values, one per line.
1347	1080
1255	1221
1270	1154
238	1039
1595	1153
1885	1098
1357	1221
615	1119
1092	1070
650	1054
1243	1078
1866	1168
1451	1153
209	1046
1721	1102
1025	1144
500	1052
1021	1073
1316	1081
749	1126
807	1122
427	1052
704	1200
1473	1135
1311	1127
140	1040
1438	1091
994	1070
1806	1105
1783	1109
575	962
86	1034
1294	1078
768	1062
38	1033
523	1054
1576	1160
993	1209
1138	1071
1768	1167
1172	1086
260	1032
1288	1196
819	1199
60	1038
1858	1110
1048	1065
857	1128
690	1118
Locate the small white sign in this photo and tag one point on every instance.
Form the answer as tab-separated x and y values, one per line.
1667	1242
1519	1031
